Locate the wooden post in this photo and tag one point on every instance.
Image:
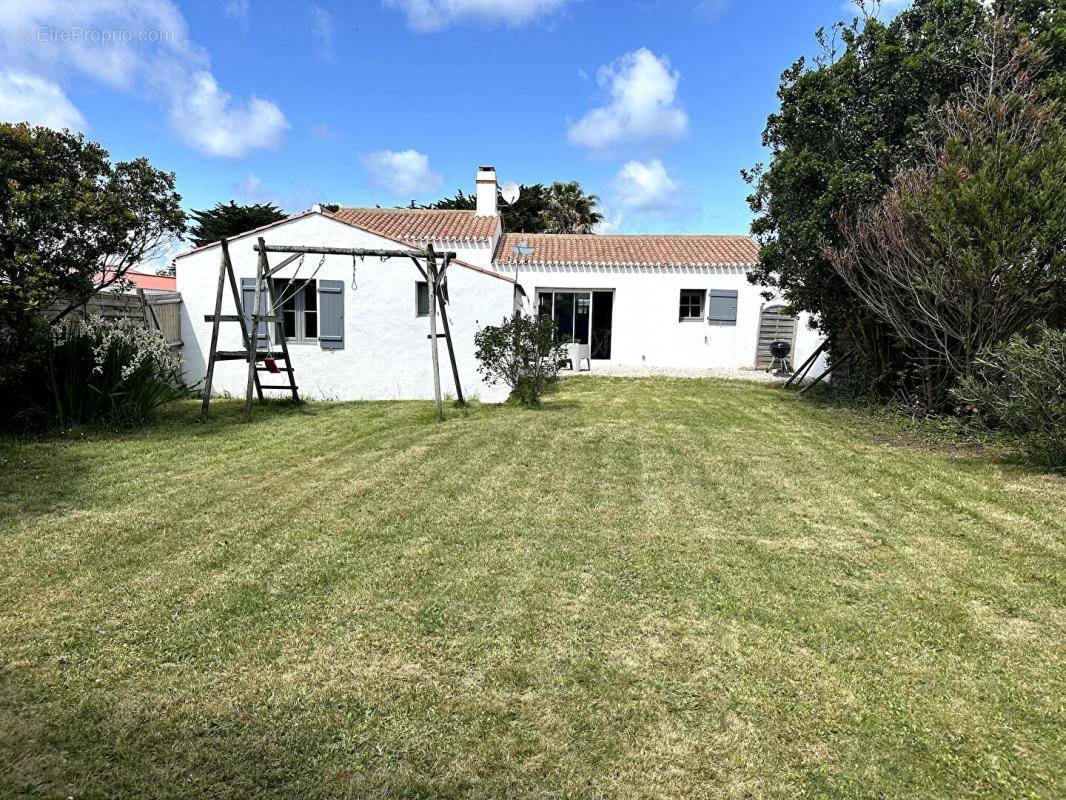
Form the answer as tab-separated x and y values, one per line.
451	348
279	334
253	337
431	273
844	359
214	331
238	303
805	367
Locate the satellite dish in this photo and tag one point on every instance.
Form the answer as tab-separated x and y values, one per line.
510	192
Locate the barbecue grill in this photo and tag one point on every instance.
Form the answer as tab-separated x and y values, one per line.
780	351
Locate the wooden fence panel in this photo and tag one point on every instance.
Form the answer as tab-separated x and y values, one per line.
164	314
159	310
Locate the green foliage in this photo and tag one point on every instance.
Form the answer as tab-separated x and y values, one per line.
846	125
570	210
228	220
1020	386
97	371
526	215
71	223
969	246
560	208
522	353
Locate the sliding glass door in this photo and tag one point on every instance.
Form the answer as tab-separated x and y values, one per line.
580	316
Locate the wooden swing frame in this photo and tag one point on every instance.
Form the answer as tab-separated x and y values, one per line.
264	271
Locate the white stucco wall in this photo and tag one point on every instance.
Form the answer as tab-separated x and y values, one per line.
386	353
646	330
472	252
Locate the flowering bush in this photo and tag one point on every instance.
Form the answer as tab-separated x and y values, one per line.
97	370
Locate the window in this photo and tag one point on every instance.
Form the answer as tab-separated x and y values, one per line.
299	308
585	317
421	299
691	304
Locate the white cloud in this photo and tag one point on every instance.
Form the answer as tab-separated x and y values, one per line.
141	47
646	187
250	189
322	30
209	120
711	9
293	197
434	15
405	173
643	104
28	98
238	9
643	193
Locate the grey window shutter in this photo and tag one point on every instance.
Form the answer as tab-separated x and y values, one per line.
722	306
248	300
331	315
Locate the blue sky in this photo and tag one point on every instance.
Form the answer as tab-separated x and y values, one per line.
655	105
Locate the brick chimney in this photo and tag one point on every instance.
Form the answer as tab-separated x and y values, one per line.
486	192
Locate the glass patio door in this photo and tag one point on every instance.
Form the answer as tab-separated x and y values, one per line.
583	317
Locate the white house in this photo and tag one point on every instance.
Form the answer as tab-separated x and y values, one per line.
358	329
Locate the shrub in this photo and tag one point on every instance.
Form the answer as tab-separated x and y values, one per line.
97	371
1020	386
968	245
72	223
523	353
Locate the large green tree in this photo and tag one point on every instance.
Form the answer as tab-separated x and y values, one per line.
847	123
71	223
563	207
230	219
968	247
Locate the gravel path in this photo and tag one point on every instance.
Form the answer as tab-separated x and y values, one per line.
679	372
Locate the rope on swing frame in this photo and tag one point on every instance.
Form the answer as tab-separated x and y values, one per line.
298	286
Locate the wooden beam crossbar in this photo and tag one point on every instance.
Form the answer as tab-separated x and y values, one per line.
431	273
351	251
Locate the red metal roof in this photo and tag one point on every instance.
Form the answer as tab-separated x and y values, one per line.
149	281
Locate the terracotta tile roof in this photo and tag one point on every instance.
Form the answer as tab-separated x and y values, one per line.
421	225
396	239
551	249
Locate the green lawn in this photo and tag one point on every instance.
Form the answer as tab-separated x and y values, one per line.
649	588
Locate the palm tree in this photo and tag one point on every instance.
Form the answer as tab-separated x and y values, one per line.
570	210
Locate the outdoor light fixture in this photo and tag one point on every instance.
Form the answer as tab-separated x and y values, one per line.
521	250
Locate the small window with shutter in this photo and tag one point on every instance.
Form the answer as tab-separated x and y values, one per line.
421	299
691	306
299	308
722	307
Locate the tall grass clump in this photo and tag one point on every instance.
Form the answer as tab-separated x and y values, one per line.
100	371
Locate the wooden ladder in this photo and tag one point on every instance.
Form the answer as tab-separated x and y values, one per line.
251	352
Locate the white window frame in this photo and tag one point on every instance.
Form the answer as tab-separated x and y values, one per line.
300	311
681	303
